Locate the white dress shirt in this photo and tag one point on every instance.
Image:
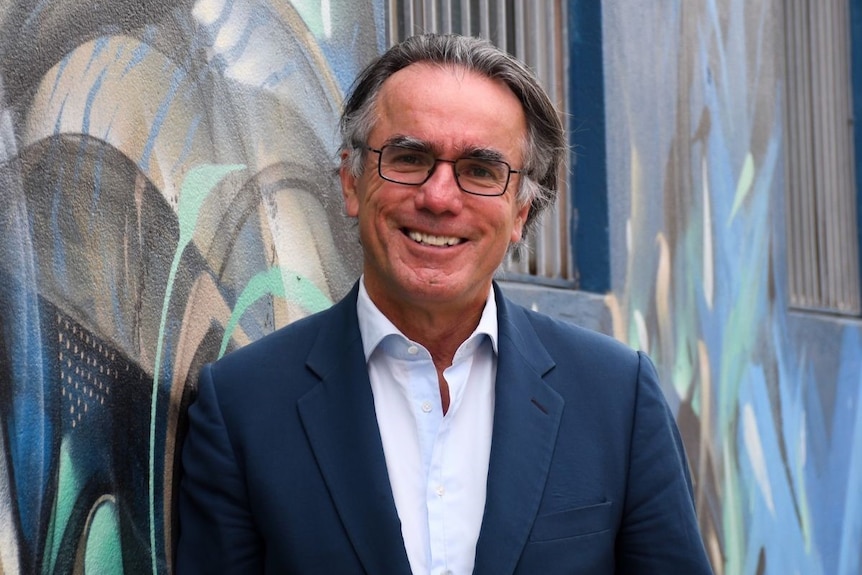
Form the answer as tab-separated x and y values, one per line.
437	464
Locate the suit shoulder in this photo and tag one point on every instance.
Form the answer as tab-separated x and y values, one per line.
588	368
273	360
581	357
558	334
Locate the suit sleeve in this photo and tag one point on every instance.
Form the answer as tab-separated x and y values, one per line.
659	533
217	532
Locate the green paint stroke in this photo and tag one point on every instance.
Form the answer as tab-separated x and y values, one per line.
196	187
732	520
312	14
746	179
738	343
104	550
271	282
68	489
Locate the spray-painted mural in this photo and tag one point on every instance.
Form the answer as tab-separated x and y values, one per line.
167	195
768	400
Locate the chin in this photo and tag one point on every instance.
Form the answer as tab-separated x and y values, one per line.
444	289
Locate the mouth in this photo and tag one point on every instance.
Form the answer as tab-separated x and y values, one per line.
435	241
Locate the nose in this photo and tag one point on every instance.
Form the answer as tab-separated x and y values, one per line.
440	192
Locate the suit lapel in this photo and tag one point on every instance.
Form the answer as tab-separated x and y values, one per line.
339	420
527	415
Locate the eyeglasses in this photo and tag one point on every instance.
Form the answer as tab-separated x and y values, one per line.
411	167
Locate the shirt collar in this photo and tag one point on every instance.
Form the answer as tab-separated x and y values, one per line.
374	327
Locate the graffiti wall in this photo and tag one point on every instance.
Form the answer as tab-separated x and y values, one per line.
168	194
769	401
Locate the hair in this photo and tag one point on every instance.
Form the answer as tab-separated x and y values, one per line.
545	144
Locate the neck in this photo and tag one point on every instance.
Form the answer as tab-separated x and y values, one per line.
441	329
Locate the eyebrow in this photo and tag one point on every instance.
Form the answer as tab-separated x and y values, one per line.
473	152
483	154
409	143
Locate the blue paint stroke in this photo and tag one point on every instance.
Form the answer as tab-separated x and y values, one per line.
138	54
849	401
256	20
188	143
99	46
91	97
61	67
35	12
773	523
161	114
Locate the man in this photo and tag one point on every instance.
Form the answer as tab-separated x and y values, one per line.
425	424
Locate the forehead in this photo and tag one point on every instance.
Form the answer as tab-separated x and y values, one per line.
452	109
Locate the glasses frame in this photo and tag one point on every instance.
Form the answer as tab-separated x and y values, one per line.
379	152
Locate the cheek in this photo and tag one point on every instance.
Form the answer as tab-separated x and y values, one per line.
374	210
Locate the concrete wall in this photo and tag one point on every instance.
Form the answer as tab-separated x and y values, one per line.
167	196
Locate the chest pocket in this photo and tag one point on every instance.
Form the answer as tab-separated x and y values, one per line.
573	522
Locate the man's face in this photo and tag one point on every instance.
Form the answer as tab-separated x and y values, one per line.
434	245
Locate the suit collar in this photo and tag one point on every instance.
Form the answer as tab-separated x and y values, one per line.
340	423
527	416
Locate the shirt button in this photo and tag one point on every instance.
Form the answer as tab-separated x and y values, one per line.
412	350
440	490
446	572
427	407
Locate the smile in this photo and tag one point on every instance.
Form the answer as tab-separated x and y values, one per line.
437	241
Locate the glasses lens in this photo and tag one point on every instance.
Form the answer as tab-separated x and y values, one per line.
483	177
405	166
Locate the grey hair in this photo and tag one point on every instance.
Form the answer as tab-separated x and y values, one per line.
544	146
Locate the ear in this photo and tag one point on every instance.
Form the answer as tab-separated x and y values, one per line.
348	187
520	220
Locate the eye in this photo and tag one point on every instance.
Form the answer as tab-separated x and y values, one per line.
480	170
407	159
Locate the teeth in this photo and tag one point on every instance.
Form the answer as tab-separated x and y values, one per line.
439	241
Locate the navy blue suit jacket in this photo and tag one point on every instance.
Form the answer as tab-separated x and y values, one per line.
284	469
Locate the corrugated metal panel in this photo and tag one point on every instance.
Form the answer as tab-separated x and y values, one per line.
534	32
822	240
